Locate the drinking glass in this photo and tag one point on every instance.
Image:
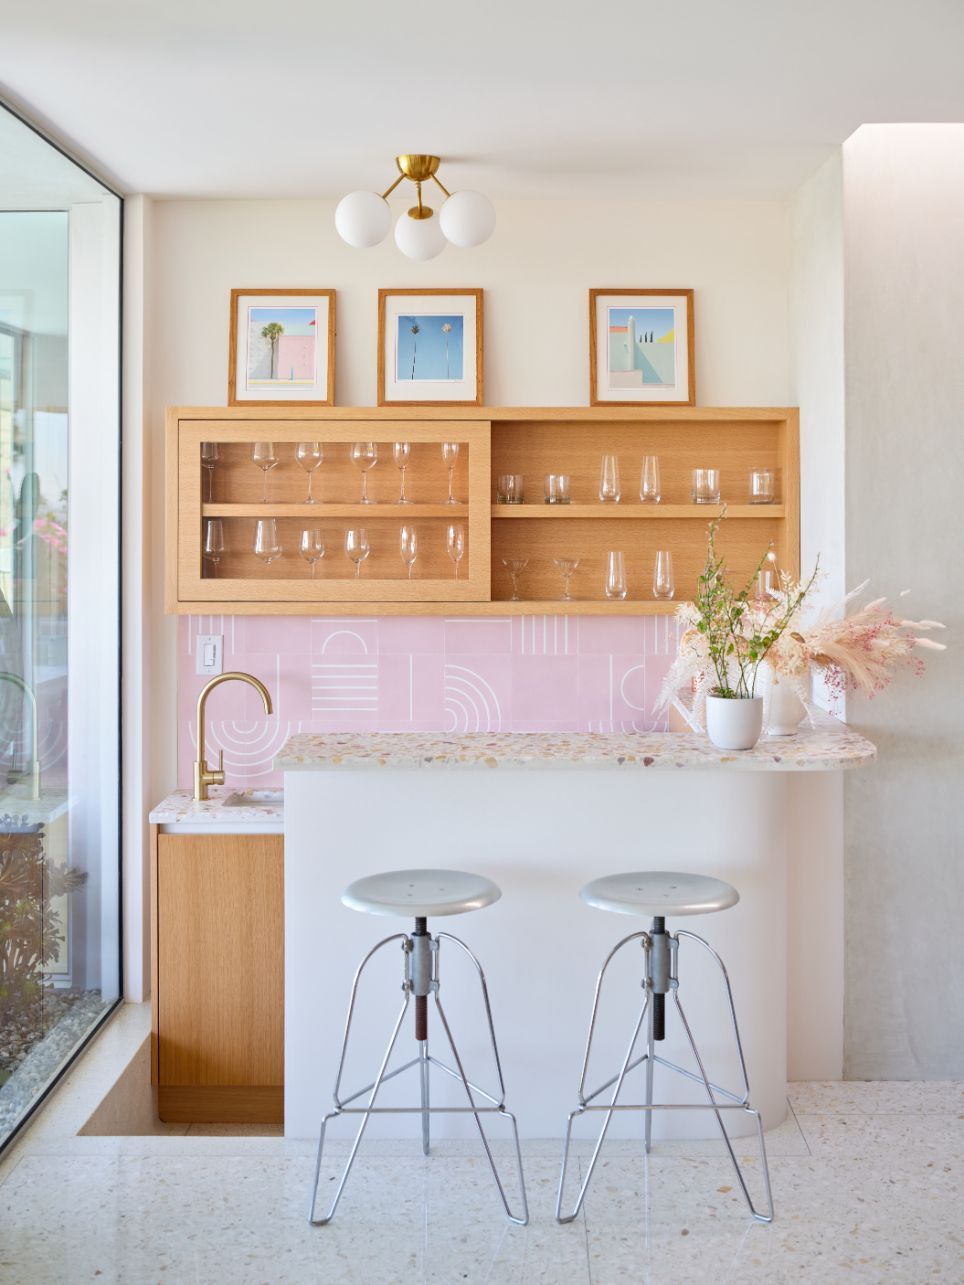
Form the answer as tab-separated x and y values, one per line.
364	455
209	457
450	455
616	586
262	454
357	546
649	490
556	488
706	486
609	479
408	546
515	567
768	583
213	542
664	586
455	544
401	453
312	547
267	545
761	486
309	455
510	489
568	567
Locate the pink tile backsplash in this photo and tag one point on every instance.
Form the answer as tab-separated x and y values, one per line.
497	673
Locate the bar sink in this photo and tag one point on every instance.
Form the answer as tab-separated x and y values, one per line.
254	799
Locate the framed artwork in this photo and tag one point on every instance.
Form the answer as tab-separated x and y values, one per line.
282	348
641	348
430	347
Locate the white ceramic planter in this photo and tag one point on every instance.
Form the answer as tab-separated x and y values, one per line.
734	724
786	709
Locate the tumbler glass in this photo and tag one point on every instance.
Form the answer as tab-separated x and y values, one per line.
510	489
761	486
556	488
706	486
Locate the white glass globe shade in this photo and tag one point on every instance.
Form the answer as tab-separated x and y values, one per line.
419	238
363	219
467	219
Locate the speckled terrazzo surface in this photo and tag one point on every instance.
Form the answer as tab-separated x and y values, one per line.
829	745
181	808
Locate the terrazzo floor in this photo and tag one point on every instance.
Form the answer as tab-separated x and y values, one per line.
868	1180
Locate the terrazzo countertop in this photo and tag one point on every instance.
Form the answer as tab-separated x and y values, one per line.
827	746
264	808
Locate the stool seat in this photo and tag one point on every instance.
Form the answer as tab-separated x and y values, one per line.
421	893
659	893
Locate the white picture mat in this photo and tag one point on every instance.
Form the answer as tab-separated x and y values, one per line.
278	392
679	392
420	390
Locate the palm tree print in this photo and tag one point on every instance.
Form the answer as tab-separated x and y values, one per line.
446	328
273	332
415	328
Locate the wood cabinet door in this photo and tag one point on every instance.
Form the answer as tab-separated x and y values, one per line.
220	959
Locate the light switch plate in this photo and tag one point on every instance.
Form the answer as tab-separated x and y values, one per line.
209	653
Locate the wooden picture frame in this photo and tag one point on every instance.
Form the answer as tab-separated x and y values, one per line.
312	366
461	308
657	371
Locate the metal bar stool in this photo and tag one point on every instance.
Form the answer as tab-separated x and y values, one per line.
420	893
660	894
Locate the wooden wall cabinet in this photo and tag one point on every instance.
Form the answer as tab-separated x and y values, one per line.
218	977
531	441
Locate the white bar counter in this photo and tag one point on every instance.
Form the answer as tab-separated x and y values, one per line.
542	814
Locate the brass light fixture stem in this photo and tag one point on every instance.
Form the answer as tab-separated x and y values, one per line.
438	184
389	190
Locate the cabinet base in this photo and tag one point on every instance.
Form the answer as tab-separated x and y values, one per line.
221	1103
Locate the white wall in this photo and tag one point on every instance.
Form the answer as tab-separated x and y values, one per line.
904	214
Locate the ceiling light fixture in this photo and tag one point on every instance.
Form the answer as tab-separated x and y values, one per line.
465	218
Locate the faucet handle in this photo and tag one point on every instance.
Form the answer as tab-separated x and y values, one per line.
220	768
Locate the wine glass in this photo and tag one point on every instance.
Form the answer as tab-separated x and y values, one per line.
263	454
310	455
568	567
515	567
455	544
267	545
312	546
450	455
401	452
357	546
209	457
213	542
364	455
408	546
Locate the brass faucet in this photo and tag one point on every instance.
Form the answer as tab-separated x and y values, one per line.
7	677
204	775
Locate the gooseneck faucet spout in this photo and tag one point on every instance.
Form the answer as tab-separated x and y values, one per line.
6	677
204	775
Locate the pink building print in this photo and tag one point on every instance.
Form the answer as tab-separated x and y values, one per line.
296	359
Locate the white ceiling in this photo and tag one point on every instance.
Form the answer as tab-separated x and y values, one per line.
232	98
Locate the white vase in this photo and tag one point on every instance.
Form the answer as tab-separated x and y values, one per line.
734	723
786	709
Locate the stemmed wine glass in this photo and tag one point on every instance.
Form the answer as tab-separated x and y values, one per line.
357	546
267	545
214	542
263	454
515	567
364	455
312	547
408	547
455	544
310	455
209	457
401	452
568	567
450	455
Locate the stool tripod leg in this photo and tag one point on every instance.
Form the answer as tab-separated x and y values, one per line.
650	1066
423	1065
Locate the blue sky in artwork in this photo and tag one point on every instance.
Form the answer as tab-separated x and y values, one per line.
427	349
296	321
658	320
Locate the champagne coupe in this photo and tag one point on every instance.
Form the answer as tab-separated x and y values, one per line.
309	455
357	546
609	480
455	544
263	454
649	489
209	457
312	547
267	546
616	586
515	567
364	455
568	567
401	453
213	542
664	585
408	546
450	455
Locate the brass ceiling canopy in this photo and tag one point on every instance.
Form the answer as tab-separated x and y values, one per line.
418	170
